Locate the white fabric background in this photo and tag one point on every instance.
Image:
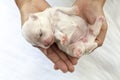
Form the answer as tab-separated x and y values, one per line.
20	61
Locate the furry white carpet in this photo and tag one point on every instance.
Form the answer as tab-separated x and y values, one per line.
20	61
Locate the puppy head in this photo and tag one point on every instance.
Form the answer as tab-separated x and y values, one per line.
38	30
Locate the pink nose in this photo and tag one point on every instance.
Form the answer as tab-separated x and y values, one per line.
48	41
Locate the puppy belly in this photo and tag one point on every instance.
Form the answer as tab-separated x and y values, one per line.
78	35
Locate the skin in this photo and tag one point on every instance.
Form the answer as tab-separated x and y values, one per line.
88	9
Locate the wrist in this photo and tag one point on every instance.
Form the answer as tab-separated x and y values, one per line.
90	9
27	7
20	3
101	3
38	4
83	2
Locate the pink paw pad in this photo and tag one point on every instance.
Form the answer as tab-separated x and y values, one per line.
84	40
64	40
77	52
101	19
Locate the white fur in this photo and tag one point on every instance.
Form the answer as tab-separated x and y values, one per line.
72	34
37	32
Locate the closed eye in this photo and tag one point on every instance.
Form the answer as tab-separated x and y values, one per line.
40	34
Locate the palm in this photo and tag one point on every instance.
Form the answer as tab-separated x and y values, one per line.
89	11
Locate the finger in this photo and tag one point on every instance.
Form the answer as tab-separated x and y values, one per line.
55	67
74	60
101	37
64	58
52	55
55	59
60	65
43	50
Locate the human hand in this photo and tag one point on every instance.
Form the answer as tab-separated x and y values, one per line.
89	10
61	61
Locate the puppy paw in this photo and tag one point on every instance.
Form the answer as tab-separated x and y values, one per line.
64	40
101	19
84	40
77	52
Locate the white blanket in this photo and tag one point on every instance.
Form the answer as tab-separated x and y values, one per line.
20	61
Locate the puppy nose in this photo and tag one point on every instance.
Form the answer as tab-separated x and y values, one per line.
48	42
46	45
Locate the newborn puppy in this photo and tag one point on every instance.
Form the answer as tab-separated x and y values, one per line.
71	33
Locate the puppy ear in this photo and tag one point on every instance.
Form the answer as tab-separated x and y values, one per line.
33	17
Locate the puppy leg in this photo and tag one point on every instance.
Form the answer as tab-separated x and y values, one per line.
97	26
76	49
61	37
94	29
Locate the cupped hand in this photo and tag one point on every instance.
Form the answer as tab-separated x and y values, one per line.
61	61
90	10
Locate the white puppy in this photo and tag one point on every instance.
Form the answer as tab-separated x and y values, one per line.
72	34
